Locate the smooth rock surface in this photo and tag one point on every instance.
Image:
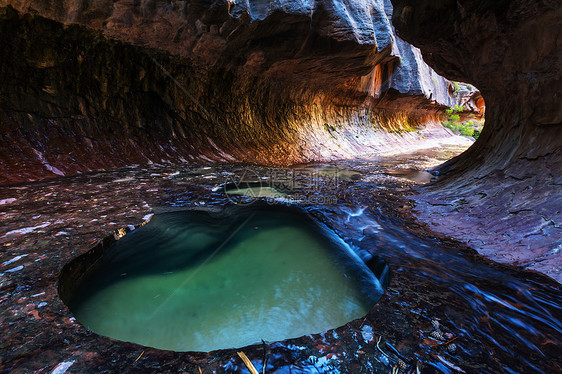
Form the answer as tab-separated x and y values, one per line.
501	319
155	81
504	194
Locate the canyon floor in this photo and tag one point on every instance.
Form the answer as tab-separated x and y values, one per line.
490	317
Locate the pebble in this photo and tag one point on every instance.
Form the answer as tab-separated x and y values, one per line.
437	334
452	348
62	367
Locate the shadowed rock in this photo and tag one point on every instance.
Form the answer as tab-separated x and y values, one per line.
109	83
507	186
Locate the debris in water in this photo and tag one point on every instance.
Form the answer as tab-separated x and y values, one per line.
248	363
438	335
139	356
452	348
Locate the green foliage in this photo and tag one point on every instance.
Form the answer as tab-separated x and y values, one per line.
329	128
466	128
457	87
454	110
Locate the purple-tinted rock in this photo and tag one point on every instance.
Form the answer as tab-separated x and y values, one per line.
115	83
511	51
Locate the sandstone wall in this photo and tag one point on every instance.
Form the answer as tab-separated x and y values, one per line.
504	195
99	84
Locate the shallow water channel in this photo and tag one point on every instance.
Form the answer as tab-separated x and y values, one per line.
500	319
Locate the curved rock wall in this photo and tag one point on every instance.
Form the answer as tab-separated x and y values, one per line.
511	51
99	84
504	195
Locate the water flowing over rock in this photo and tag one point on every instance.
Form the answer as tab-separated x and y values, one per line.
507	186
196	105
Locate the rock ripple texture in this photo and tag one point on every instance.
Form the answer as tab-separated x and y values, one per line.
271	82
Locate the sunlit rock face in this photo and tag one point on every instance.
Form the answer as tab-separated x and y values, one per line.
99	84
507	186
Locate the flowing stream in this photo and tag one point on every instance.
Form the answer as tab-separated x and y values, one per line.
500	319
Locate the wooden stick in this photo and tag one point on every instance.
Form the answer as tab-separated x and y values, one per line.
139	356
248	363
450	341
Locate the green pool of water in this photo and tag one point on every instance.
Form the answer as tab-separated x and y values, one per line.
260	191
188	281
334	172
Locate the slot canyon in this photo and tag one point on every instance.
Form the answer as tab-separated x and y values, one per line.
328	186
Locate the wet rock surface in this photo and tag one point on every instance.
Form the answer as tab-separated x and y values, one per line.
253	97
95	85
509	220
502	196
445	309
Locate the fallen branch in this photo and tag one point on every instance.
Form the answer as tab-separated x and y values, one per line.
139	356
248	363
449	342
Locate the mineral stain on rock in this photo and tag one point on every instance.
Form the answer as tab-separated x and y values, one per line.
273	87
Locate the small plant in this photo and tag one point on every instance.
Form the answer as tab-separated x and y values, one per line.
476	134
465	128
457	87
329	127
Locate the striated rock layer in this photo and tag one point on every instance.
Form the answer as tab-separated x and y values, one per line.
504	195
98	84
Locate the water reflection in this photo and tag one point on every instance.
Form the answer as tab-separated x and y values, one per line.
197	281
